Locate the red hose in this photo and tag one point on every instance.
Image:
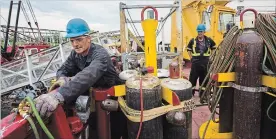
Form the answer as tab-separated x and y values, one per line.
142	109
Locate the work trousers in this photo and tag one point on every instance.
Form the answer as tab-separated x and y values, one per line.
198	70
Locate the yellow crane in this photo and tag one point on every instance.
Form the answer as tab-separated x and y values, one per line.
214	14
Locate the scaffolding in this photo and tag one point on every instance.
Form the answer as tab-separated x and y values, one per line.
125	33
41	66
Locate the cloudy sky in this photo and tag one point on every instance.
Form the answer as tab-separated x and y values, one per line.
101	15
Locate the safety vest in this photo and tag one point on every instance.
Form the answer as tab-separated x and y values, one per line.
194	53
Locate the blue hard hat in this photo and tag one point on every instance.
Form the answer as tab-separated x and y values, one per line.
76	27
200	28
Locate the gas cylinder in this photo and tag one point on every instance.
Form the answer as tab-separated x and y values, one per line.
178	124
174	70
248	102
152	98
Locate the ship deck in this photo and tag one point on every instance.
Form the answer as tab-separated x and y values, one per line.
200	115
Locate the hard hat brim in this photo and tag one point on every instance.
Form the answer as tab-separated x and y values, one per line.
72	35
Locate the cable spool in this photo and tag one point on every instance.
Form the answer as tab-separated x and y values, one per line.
152	98
178	125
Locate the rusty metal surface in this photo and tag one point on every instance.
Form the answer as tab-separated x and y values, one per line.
174	70
152	129
103	124
172	131
247	105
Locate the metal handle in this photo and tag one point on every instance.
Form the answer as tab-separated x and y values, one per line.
241	15
143	10
249	9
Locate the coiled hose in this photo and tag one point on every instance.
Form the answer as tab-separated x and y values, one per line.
266	27
223	60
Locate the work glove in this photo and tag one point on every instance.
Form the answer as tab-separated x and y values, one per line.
60	82
47	103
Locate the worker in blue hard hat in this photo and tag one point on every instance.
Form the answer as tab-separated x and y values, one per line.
199	50
90	65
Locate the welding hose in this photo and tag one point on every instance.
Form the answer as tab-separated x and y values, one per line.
266	27
30	120
41	123
268	109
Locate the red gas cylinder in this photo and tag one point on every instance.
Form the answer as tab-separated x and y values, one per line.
248	95
174	70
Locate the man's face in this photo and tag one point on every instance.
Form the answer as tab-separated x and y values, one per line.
81	44
201	34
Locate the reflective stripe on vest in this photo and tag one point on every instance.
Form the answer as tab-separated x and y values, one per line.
194	53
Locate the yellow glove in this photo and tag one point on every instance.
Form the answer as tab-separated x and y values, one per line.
60	82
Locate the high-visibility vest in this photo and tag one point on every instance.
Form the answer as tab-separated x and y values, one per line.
194	53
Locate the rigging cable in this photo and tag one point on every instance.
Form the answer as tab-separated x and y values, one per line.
34	18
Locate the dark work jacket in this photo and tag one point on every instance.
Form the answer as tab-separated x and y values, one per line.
209	43
94	70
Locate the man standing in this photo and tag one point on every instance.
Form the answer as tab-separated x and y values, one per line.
91	66
199	50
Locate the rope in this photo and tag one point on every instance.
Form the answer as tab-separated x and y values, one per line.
134	115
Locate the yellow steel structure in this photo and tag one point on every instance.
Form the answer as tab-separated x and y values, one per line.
149	26
213	132
226	77
195	12
167	94
268	81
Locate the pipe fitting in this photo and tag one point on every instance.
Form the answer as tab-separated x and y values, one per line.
176	118
110	105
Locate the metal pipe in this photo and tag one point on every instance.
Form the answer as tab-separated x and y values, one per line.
122	29
15	31
21	34
8	26
103	124
29	66
48	65
169	14
179	35
12	35
155	6
137	21
4	26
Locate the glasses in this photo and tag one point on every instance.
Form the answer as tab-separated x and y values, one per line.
78	39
